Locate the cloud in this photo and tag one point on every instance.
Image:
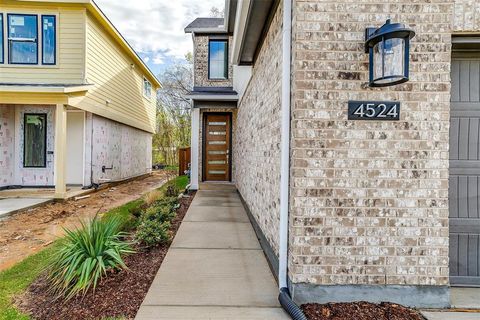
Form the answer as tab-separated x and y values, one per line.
158	60
154	28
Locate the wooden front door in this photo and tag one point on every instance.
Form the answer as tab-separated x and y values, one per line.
216	146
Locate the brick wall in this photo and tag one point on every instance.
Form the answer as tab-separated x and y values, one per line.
369	198
200	43
467	15
257	136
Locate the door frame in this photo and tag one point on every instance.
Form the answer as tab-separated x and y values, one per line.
84	145
204	140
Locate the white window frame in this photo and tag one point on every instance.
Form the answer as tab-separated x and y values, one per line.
145	94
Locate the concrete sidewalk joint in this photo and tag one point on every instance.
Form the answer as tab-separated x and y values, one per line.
215	268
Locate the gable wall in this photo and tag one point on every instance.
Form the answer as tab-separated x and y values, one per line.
118	87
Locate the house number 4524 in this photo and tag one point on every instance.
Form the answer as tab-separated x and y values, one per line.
373	110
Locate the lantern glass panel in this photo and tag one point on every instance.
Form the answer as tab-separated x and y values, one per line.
378	60
389	60
394	57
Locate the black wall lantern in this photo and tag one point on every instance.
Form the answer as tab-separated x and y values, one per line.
389	48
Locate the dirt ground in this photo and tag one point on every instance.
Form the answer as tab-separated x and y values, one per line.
25	233
359	311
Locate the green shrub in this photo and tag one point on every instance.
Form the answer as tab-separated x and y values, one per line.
172	191
158	213
153	232
86	255
169	201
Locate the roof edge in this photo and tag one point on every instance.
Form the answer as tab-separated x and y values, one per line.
98	13
196	26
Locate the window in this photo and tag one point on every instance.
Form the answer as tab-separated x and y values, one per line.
218	59
1	38
35	140
22	39
48	39
147	88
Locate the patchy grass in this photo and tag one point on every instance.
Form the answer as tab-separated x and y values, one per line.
15	280
180	182
124	213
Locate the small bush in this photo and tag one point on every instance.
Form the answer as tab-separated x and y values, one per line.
86	255
153	232
170	201
159	213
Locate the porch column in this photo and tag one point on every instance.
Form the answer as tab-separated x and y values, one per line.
195	148
60	153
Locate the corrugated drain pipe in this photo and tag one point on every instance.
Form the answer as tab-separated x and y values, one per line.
284	296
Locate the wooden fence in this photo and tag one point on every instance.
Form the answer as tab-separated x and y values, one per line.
183	160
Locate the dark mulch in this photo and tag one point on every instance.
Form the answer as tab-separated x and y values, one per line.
359	311
120	294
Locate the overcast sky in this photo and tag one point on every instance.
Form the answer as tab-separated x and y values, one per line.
154	28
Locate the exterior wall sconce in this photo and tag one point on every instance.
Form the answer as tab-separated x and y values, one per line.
389	50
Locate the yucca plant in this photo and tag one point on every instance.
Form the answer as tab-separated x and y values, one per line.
86	255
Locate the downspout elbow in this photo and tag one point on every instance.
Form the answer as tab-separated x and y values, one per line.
289	306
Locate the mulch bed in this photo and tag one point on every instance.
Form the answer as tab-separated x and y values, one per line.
359	311
120	294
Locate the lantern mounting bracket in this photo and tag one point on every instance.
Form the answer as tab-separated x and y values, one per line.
387	31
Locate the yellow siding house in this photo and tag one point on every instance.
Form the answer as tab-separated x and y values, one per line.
77	104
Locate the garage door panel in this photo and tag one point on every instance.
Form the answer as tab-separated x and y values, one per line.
455	81
464	187
462	197
472	199
473	247
464	80
453	254
463	138
473	139
453	196
474	81
454	131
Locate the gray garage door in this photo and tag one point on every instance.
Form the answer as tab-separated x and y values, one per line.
464	193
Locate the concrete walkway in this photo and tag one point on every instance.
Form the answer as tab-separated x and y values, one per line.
12	205
461	299
215	268
444	315
22	199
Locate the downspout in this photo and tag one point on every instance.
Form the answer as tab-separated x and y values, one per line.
284	296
